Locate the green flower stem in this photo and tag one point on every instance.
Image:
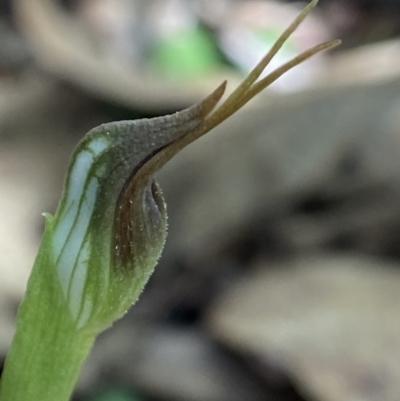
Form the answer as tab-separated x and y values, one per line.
48	351
102	245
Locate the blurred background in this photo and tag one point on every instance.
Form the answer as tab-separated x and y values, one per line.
280	280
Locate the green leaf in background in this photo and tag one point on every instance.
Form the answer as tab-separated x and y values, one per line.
117	394
186	54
